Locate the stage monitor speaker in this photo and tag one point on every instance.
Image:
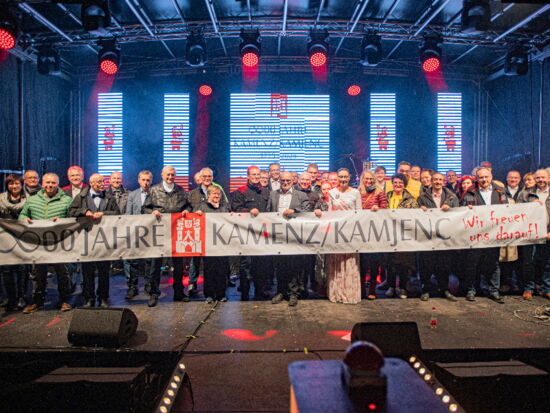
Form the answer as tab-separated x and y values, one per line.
103	327
399	339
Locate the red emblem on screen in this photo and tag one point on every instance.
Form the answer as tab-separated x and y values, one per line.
188	235
279	106
177	133
109	136
381	138
449	137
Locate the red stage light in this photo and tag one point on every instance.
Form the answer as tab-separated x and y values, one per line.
250	59
7	40
318	59
109	67
247	335
372	406
205	90
354	90
431	64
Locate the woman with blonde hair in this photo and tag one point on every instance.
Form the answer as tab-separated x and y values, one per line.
372	197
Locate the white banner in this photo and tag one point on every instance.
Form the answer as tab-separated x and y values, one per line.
143	236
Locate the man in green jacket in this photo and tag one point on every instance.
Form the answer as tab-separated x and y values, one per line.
49	203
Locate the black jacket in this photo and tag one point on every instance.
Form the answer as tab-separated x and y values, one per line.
196	197
166	202
248	197
83	203
515	197
474	197
121	198
208	208
313	199
448	197
298	201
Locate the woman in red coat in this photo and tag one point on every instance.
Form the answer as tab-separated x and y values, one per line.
373	198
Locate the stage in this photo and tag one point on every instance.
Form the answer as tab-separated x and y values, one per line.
237	353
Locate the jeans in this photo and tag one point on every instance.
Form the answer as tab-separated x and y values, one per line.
136	267
482	261
40	282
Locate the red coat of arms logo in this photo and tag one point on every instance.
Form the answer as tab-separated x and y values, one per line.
449	137
279	106
188	235
382	138
109	137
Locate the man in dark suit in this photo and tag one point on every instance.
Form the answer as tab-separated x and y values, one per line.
483	260
75	175
135	203
288	202
170	198
452	181
513	184
92	203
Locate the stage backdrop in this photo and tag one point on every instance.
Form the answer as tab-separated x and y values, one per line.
144	236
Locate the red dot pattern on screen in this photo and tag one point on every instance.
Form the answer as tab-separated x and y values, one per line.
431	64
205	90
7	41
318	59
250	59
354	90
109	67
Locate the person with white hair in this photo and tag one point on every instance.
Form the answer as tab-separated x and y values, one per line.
167	197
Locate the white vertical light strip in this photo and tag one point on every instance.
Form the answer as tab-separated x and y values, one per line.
382	131
449	132
109	131
290	129
176	135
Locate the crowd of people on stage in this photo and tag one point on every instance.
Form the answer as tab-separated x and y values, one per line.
341	278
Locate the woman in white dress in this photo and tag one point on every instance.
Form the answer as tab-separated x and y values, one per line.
343	278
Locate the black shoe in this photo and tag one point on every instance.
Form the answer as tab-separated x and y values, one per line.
277	299
293	301
192	289
132	292
209	300
470	296
449	296
152	301
104	303
89	304
496	298
424	296
223	299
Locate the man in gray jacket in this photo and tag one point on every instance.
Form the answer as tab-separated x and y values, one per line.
136	199
288	202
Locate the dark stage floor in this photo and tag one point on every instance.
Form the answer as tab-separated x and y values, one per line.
238	360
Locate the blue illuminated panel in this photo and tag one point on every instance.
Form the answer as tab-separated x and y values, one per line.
449	132
290	129
109	128
382	130
176	135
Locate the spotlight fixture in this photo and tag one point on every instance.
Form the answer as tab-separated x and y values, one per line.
371	49
250	47
205	90
96	16
476	16
195	49
430	52
8	30
516	62
354	90
48	61
109	57
317	47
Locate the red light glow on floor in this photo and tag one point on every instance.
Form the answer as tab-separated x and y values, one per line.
247	335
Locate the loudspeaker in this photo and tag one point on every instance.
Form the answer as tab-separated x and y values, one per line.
103	327
394	339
